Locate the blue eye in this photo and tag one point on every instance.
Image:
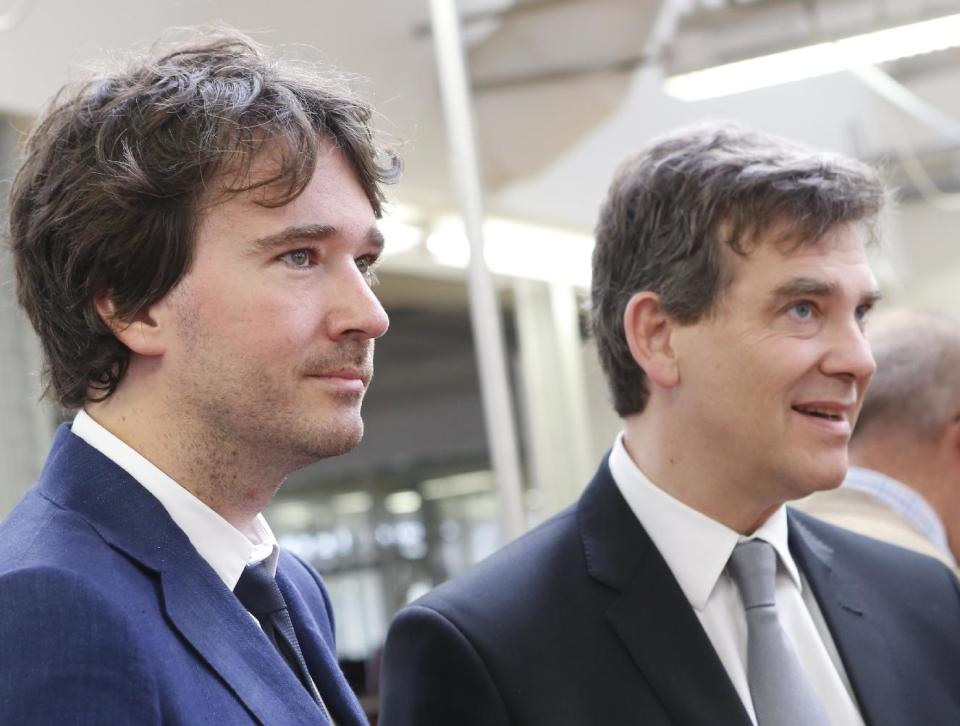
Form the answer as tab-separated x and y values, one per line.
802	310
366	265
297	258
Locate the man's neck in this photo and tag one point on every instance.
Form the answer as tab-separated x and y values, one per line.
672	464
220	474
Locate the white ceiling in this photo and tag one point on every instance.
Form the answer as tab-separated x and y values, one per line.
383	41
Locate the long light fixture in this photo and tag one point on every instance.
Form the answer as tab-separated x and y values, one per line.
400	232
817	60
516	250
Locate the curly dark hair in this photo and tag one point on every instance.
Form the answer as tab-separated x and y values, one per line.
118	170
678	208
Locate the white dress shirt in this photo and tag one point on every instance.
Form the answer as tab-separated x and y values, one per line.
224	547
697	548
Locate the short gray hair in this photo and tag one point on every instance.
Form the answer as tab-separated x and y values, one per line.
916	388
676	208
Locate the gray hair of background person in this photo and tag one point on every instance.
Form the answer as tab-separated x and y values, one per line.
118	170
916	388
678	207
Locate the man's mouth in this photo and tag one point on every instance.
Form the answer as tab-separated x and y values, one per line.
345	380
820	412
350	374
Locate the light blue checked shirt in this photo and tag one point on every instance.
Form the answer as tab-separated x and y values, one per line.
904	501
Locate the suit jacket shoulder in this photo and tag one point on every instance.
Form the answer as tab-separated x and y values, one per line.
111	616
547	631
580	621
865	514
895	617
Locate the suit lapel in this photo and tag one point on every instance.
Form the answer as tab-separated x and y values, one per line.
200	607
320	658
859	638
226	637
651	615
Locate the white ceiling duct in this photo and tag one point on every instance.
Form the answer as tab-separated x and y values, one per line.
742	46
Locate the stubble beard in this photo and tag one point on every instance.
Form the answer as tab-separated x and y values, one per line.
258	420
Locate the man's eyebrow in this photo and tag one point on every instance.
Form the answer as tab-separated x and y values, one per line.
801	286
292	234
308	232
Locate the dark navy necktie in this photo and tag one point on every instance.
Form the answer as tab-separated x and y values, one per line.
258	592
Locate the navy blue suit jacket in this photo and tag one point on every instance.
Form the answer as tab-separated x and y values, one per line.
581	623
108	615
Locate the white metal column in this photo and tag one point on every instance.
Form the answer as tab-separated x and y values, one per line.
484	309
557	413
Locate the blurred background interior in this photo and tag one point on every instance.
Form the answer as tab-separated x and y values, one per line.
488	414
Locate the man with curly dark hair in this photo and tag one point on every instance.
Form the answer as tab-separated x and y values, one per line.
194	237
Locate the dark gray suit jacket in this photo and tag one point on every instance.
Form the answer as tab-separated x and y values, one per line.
581	623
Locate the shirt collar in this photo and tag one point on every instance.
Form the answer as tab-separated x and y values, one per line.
224	547
696	548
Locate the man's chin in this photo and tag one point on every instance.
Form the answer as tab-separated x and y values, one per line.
809	477
335	442
824	479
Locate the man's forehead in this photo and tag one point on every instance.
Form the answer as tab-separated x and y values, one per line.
834	263
268	175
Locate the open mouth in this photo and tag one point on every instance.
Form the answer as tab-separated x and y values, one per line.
818	412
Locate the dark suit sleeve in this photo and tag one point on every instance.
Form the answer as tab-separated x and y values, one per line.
67	657
433	676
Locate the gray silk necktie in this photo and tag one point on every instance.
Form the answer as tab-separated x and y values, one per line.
781	693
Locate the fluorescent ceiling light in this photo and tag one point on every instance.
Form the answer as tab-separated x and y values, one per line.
459	485
405	502
352	503
517	250
292	516
398	229
817	60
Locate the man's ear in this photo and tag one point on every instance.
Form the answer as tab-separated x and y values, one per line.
143	335
951	439
649	332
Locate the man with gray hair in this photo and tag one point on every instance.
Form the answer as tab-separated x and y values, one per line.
730	293
904	485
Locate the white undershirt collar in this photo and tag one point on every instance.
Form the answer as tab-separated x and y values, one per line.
224	547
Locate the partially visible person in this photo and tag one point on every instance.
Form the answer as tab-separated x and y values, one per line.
904	483
194	237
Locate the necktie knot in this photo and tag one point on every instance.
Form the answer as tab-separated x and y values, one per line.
258	591
753	566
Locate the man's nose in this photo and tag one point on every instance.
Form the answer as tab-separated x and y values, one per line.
850	353
356	311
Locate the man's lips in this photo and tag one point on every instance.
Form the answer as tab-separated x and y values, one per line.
835	416
353	379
